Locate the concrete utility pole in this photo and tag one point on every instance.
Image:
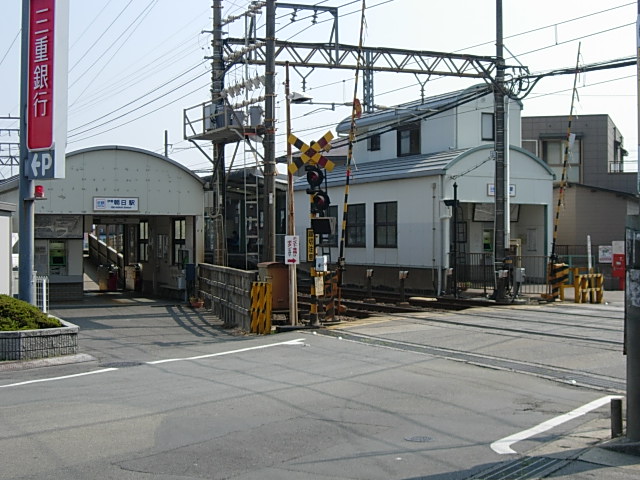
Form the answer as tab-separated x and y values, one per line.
499	250
269	252
632	298
218	174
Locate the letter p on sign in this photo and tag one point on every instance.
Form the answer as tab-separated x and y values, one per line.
41	165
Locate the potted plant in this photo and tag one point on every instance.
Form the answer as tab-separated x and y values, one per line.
196	302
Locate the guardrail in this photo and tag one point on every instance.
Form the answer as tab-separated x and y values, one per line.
227	293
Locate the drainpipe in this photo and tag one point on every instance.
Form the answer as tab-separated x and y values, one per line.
434	232
444	244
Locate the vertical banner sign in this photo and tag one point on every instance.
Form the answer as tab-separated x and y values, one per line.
47	90
638	89
311	245
41	70
292	249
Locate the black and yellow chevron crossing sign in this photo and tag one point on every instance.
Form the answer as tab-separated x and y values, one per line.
311	154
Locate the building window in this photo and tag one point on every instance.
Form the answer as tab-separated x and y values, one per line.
385	220
553	152
488	126
143	241
373	142
355	232
409	140
179	240
617	166
332	239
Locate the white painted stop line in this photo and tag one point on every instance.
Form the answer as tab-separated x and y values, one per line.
503	446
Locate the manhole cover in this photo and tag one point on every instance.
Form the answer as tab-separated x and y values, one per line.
419	439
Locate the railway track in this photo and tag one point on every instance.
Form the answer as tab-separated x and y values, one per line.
569	327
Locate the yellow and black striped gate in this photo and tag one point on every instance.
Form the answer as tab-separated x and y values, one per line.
261	307
558	275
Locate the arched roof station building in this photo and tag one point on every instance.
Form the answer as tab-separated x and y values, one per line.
148	208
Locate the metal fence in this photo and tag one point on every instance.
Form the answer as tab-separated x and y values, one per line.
41	287
227	292
478	271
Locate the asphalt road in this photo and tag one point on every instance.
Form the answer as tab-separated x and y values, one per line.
169	394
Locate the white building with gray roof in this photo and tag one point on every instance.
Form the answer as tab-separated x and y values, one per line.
406	161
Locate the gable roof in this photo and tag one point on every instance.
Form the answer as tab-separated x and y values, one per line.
431	164
13	182
417	108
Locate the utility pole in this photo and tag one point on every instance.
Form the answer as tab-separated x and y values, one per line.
632	298
269	252
499	250
218	177
291	226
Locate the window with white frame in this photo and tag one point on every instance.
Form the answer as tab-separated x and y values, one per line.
179	239
487	126
553	151
143	241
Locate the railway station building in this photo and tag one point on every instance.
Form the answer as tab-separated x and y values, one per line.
140	215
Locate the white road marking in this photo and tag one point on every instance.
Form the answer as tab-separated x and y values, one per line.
297	341
503	446
52	379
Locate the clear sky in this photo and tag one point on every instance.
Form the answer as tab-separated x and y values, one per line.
135	65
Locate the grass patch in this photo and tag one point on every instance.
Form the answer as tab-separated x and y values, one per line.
19	315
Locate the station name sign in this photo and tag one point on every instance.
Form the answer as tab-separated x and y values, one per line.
101	204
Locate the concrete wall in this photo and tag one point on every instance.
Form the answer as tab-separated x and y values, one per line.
597	213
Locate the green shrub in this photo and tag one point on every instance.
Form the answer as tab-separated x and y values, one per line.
18	315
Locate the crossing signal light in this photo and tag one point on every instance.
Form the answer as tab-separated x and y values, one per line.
314	178
319	202
319	198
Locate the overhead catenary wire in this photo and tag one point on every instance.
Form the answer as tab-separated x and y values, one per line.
397	89
154	90
104	32
134	26
10	46
128	79
136	118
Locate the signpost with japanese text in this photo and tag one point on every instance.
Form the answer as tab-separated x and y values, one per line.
43	119
46	109
292	249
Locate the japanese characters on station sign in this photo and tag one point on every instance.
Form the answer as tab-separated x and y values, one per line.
292	249
41	55
115	203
